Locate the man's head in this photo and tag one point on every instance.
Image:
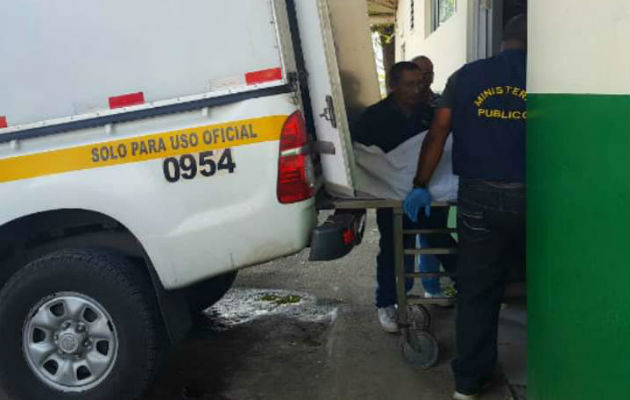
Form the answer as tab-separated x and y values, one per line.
426	69
515	33
405	81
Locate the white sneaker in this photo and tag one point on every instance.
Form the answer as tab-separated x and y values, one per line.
461	396
388	317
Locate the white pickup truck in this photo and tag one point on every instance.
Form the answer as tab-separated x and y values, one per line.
148	150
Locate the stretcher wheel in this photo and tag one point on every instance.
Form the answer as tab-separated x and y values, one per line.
419	317
420	349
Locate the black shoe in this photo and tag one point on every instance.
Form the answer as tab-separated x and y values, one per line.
484	384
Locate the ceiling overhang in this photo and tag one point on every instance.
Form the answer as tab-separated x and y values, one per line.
382	11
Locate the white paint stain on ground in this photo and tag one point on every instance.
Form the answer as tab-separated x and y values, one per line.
242	305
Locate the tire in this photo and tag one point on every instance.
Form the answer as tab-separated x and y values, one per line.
69	301
420	349
206	293
419	317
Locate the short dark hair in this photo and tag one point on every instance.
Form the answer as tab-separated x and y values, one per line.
397	69
421	58
516	29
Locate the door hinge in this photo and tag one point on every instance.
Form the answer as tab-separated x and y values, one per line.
329	112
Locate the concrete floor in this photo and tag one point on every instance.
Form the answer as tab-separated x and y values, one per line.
324	344
328	346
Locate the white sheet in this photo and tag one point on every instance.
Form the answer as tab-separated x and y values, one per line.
390	175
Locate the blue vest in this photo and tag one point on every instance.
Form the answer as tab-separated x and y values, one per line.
488	120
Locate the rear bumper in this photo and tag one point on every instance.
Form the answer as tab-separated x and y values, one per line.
338	235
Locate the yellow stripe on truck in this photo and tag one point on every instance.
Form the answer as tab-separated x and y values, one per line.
143	148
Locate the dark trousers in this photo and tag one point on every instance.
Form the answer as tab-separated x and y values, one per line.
385	270
491	234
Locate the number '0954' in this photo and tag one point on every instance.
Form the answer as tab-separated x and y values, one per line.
187	166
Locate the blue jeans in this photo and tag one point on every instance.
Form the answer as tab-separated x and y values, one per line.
385	270
428	262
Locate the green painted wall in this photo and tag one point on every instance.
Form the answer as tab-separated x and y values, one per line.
578	240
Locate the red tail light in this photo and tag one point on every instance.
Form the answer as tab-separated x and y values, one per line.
294	133
348	237
295	169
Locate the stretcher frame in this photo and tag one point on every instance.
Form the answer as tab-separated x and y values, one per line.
419	346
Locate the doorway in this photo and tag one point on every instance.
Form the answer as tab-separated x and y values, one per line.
487	19
503	11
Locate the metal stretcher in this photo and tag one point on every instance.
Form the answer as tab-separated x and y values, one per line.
419	346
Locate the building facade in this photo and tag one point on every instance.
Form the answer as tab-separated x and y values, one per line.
451	32
578	175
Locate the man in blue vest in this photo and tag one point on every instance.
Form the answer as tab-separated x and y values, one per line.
484	105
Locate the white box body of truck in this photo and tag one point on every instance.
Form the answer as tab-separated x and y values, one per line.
148	150
84	155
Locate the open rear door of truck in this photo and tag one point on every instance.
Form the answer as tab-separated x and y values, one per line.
321	38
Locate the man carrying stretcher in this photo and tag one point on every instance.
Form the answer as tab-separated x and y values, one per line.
484	105
387	141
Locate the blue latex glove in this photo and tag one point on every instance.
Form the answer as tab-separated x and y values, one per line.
416	199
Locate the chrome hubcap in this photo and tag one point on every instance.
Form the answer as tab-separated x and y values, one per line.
70	342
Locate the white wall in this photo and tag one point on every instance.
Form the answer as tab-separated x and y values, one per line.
446	47
589	53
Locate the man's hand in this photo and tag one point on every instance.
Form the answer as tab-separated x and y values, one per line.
416	199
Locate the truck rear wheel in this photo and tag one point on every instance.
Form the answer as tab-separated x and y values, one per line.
77	324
